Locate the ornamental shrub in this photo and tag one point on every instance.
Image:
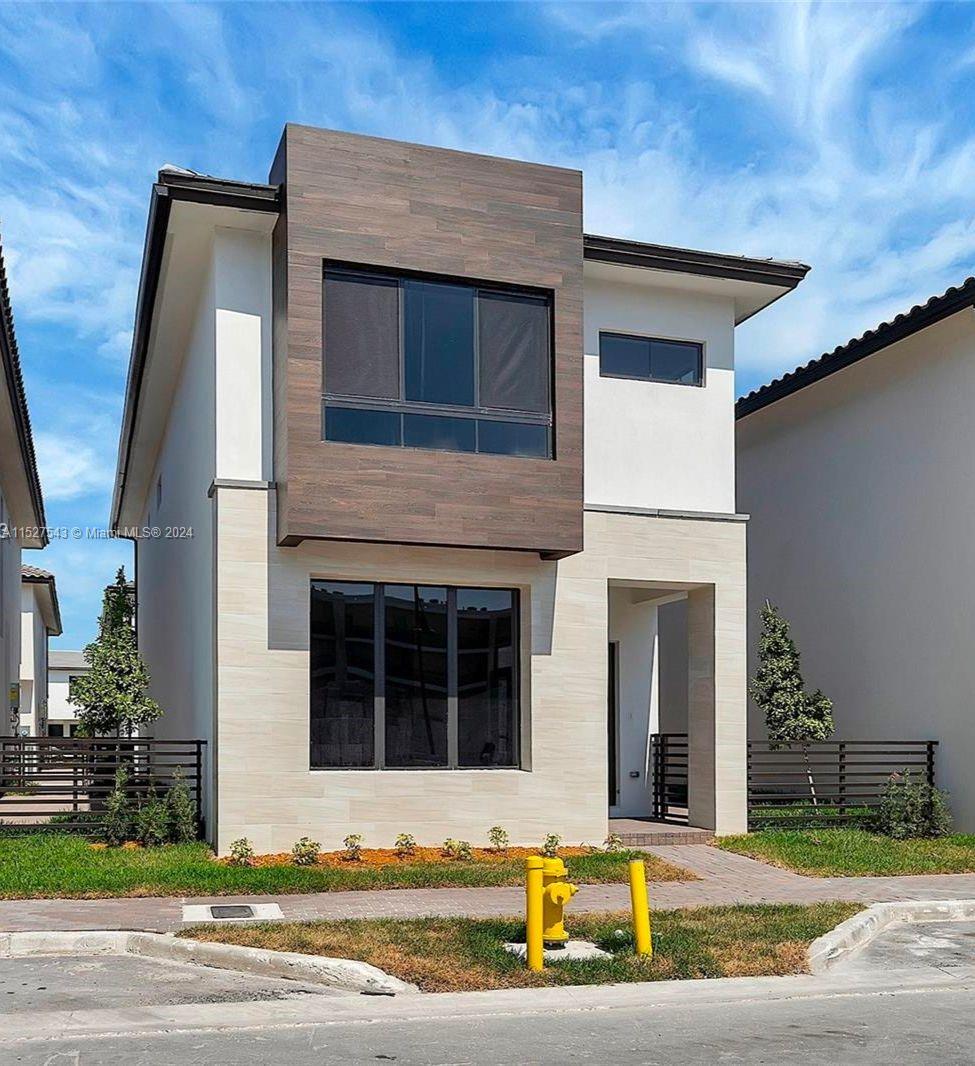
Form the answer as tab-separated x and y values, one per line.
118	824
353	847
550	849
305	852
405	845
911	808
180	810
614	843
152	821
241	852
498	838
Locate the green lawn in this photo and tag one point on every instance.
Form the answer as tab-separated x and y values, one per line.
459	954
854	852
50	864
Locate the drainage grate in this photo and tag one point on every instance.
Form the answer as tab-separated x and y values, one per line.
232	911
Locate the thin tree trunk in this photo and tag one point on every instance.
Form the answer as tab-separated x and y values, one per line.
809	774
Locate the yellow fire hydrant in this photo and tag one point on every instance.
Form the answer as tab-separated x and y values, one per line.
546	893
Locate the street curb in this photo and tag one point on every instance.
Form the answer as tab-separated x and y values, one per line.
345	974
856	933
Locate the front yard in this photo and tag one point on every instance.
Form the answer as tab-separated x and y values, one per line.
60	864
465	954
854	852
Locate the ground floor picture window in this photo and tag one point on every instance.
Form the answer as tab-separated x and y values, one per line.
413	676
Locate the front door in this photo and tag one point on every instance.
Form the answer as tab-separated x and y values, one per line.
612	718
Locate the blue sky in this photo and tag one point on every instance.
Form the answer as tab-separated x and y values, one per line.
836	134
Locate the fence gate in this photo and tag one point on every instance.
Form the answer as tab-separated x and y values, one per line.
668	764
61	783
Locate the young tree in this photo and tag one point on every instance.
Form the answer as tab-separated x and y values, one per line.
111	697
791	714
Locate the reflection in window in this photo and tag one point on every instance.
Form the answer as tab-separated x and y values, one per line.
342	654
651	359
416	666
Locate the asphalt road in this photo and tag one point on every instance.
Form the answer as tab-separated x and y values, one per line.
842	1024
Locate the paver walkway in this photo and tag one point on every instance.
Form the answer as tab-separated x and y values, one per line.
724	878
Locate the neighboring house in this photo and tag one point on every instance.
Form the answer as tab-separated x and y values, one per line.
22	519
378	570
40	619
856	470
62	669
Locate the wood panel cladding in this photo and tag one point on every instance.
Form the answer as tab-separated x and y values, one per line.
408	207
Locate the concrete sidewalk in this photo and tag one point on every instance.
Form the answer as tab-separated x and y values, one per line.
724	878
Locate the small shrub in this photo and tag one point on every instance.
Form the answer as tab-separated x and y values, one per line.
353	847
614	843
241	852
305	852
405	845
550	849
118	824
450	848
152	821
911	808
464	850
180	810
498	838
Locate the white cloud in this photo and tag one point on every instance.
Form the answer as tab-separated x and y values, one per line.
70	468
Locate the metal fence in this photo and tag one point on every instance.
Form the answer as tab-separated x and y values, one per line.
799	785
62	783
829	781
668	765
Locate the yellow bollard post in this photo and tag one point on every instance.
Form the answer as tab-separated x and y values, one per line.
641	908
534	895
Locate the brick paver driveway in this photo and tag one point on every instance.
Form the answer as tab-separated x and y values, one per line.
724	878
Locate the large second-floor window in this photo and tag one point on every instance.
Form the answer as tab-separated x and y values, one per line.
416	362
413	676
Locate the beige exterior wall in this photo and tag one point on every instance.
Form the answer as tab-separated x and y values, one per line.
268	794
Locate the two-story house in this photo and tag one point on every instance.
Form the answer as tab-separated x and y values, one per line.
40	619
21	508
411	465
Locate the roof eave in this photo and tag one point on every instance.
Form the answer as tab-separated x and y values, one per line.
171	187
935	310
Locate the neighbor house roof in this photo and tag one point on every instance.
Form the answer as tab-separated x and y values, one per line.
50	609
904	325
67	660
10	358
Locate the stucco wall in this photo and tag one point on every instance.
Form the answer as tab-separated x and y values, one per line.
33	662
657	445
862	500
10	623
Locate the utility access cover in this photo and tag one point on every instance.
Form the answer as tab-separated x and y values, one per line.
231	912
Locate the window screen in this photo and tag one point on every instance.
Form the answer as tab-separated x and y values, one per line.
514	344
361	335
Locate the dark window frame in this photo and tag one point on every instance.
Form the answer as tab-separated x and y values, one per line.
651	338
401	405
453	704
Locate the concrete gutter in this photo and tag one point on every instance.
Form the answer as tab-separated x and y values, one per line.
856	933
345	974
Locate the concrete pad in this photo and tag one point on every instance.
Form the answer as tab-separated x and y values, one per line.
259	912
100	982
574	951
940	945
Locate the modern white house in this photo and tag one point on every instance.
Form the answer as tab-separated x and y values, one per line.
62	669
415	471
22	522
40	619
856	472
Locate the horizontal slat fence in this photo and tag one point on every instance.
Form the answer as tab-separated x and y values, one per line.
826	782
62	782
668	763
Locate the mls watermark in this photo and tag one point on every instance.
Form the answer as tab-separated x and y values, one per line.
8	532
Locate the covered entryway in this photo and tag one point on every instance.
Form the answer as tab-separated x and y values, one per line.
661	728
